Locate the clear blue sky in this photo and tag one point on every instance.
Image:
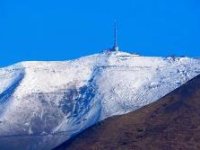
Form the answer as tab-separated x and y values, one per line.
65	29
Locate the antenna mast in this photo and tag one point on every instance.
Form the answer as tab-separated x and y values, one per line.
115	46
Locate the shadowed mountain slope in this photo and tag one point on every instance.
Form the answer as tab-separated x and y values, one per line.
172	123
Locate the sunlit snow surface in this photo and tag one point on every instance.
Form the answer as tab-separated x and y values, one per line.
43	104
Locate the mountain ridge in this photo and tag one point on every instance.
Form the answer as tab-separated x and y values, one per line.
70	96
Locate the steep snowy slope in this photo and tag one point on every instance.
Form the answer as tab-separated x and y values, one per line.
45	103
171	123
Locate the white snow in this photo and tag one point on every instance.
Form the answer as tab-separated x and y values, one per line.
43	104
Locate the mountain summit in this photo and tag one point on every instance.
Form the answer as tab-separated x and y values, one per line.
43	104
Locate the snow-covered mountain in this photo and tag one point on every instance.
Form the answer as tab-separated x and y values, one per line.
43	104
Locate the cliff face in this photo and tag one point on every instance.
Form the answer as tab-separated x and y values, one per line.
170	123
43	104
